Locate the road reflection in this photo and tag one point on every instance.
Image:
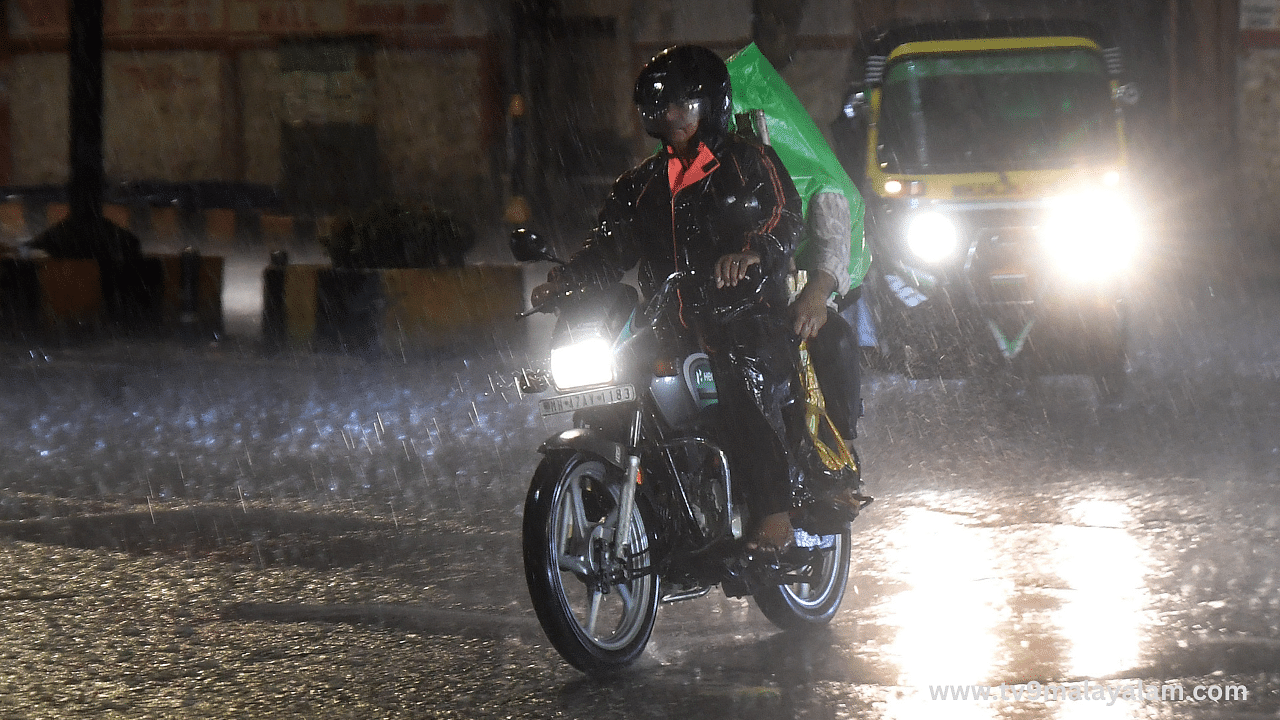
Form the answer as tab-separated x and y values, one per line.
945	618
1050	595
1102	565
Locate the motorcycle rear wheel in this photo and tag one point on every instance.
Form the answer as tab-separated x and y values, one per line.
599	625
810	604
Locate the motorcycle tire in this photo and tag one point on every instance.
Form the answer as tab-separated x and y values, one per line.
597	625
810	605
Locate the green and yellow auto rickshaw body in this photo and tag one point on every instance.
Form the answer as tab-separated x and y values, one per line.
993	163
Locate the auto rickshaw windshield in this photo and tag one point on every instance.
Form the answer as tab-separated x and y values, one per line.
1012	110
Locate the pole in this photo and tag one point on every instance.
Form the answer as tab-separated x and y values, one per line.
84	51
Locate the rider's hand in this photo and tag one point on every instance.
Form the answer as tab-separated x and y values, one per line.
732	268
544	292
810	308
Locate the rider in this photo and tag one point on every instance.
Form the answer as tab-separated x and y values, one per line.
715	204
833	347
832	250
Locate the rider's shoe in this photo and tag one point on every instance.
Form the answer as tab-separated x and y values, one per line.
850	500
832	514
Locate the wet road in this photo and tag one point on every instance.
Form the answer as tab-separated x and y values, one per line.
221	534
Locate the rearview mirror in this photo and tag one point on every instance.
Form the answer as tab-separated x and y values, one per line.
1128	94
528	246
855	105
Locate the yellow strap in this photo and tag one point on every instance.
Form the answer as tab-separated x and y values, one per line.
815	415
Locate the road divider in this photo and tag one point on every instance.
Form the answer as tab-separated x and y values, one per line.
210	228
398	311
42	296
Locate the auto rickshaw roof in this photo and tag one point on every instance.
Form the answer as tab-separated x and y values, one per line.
882	40
880	43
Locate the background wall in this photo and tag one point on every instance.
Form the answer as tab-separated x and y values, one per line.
1259	119
262	97
163	116
1259	139
197	91
38	109
430	123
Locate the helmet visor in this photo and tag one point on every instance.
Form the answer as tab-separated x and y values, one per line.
661	119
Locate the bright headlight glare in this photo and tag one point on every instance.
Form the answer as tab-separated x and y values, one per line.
932	236
582	364
1092	235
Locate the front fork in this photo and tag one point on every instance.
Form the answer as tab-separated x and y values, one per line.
627	505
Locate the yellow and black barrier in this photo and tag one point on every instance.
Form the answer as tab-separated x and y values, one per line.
396	311
165	293
209	228
49	293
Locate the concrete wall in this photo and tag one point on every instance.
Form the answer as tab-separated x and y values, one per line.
163	115
38	108
429	120
214	111
428	114
1259	142
262	106
167	118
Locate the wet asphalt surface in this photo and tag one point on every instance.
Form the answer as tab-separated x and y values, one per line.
215	532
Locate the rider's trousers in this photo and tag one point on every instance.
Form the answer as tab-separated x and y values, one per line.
754	360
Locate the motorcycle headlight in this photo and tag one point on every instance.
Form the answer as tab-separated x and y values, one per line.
582	364
1091	236
932	236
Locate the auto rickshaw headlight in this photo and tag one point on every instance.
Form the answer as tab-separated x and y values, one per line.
932	236
1092	236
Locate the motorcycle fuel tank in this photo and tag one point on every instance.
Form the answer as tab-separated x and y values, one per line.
681	397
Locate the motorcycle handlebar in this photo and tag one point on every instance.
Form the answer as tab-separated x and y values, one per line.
657	301
662	296
548	305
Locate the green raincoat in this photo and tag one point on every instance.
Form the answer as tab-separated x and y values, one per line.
800	145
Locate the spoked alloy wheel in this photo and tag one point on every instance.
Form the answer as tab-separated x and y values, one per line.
812	602
597	611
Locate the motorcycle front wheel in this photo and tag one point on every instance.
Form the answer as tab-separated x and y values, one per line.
596	610
811	601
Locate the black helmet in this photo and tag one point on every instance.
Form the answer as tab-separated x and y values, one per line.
685	73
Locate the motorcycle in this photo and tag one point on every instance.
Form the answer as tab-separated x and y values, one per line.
635	505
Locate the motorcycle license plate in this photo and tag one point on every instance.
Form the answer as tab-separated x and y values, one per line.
587	399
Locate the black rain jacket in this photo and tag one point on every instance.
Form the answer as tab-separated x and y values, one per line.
735	197
665	216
